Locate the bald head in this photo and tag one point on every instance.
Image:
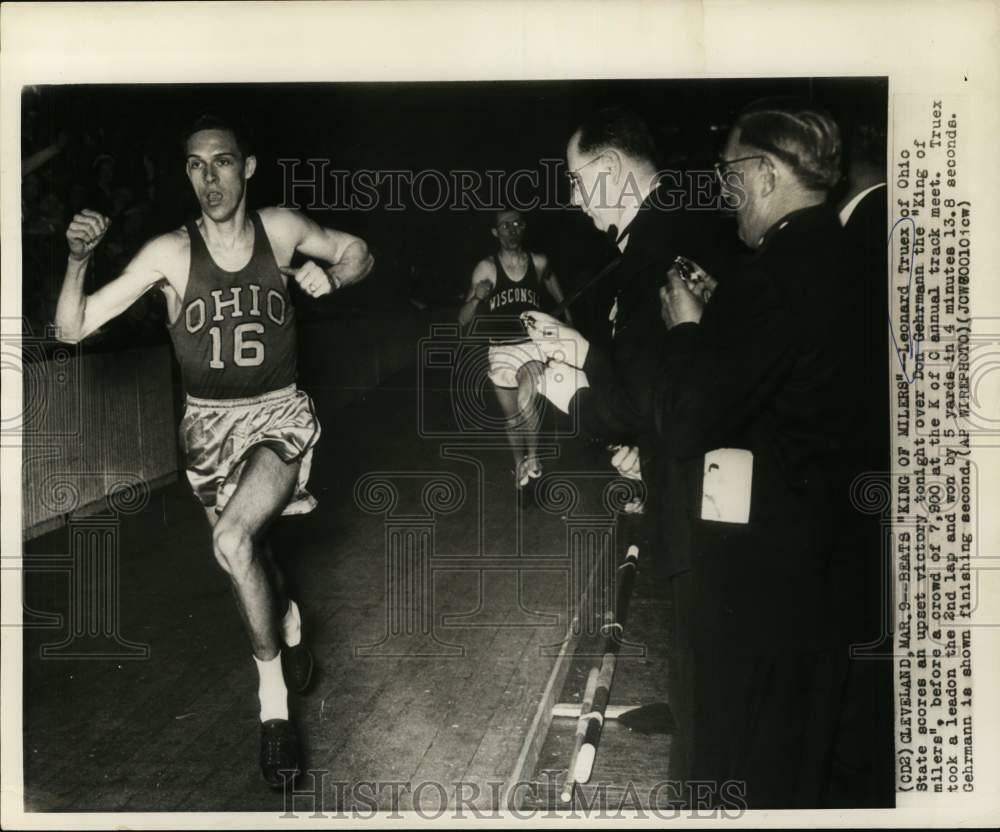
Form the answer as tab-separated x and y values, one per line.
611	165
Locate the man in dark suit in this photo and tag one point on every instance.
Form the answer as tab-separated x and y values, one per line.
615	180
864	762
761	387
863	212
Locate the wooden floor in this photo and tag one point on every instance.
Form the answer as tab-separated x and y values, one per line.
177	731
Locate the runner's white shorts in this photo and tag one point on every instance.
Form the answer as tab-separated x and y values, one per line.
217	435
506	359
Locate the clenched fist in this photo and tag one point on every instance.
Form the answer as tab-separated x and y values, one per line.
625	459
483	289
85	232
312	279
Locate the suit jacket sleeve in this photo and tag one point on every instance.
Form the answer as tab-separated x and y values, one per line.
618	405
720	373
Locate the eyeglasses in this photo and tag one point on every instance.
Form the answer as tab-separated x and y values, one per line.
574	175
722	165
507	225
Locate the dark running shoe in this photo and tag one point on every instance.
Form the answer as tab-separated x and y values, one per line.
297	666
279	752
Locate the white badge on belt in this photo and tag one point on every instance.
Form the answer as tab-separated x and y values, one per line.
726	485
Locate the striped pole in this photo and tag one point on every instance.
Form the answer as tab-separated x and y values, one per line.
563	710
589	726
585	709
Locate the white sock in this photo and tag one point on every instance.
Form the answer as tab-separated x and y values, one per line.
272	692
530	470
291	625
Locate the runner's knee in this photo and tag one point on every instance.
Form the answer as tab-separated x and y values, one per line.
527	376
233	546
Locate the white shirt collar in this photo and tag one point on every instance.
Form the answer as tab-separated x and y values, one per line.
847	210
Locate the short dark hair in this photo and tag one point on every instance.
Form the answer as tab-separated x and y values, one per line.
215	121
806	139
500	211
620	129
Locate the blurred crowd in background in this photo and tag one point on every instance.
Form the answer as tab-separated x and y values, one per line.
68	164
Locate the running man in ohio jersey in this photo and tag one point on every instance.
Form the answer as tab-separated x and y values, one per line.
248	432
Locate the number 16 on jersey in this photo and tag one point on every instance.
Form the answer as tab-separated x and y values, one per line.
247	350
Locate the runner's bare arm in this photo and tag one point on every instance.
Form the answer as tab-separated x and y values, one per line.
484	278
78	315
347	256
